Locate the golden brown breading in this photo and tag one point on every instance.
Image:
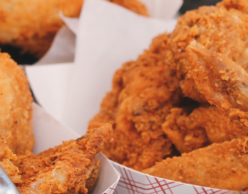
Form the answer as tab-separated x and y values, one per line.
15	114
223	166
221	29
223	82
234	4
143	92
216	28
185	131
67	168
203	126
31	25
11	169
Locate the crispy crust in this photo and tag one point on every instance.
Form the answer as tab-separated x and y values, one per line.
32	25
204	126
223	166
67	168
137	107
15	114
222	29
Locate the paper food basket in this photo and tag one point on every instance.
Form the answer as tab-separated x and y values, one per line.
106	37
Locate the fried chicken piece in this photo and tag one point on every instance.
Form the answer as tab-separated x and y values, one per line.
67	168
185	131
223	166
153	81
223	82
32	25
222	29
205	125
11	169
142	95
16	134
132	5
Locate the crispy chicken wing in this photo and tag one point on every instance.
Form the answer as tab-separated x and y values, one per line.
219	29
222	29
223	82
67	168
143	92
16	134
223	166
31	25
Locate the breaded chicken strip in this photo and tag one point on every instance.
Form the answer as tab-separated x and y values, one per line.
223	166
31	25
222	29
142	95
15	115
205	125
67	168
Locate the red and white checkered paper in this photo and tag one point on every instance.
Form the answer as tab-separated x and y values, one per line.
134	182
111	189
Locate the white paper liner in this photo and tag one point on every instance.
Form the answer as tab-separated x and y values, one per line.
138	32
100	51
162	9
49	133
114	35
71	23
49	84
63	48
